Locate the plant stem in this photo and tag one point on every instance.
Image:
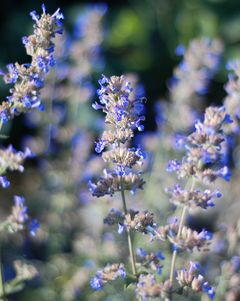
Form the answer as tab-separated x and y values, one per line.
2	289
181	224
129	236
174	256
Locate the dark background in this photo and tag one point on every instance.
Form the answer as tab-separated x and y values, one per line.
141	37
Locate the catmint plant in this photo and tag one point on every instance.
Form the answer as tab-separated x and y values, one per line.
123	117
201	165
191	79
27	80
231	100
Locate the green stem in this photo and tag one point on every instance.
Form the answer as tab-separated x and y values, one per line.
181	224
129	234
174	256
2	288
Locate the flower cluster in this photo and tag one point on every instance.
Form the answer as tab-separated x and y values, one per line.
231	101
150	260
28	79
202	164
140	221
110	273
203	151
148	287
134	220
10	159
233	290
190	239
78	56
115	217
24	271
85	51
191	78
187	240
19	219
192	199
123	115
191	279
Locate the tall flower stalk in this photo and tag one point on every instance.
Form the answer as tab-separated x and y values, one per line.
27	80
123	116
201	165
190	81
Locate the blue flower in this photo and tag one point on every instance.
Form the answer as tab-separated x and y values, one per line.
100	145
160	255
120	228
180	50
141	252
225	173
122	272
21	210
4	181
209	290
13	74
173	165
5	116
33	227
97	106
96	283
24	40
104	80
236	263
205	235
194	266
121	170
120	113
